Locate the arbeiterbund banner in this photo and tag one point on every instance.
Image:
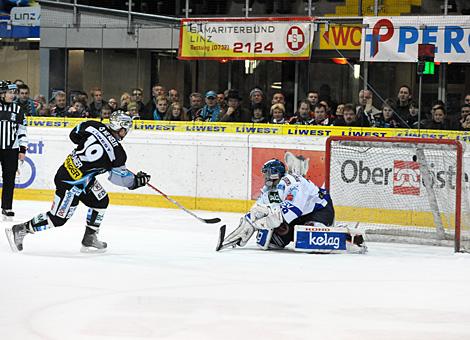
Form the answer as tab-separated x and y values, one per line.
246	38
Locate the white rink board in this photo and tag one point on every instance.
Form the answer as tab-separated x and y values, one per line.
192	165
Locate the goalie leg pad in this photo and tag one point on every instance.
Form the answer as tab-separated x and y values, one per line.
241	235
320	239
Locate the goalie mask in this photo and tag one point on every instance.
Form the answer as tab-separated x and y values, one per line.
273	171
120	120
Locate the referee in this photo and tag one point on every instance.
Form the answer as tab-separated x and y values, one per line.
13	143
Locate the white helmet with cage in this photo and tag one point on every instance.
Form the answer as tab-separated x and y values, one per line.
120	120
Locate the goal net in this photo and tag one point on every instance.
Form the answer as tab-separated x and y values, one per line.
411	190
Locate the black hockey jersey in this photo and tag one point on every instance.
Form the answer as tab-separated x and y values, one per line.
97	152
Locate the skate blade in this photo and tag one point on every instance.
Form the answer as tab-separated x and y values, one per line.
92	250
11	239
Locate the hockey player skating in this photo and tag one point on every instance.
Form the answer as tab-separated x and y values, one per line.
287	201
98	151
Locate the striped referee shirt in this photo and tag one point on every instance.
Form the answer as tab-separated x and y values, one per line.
13	133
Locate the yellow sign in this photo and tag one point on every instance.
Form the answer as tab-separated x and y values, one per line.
306	131
246	38
341	37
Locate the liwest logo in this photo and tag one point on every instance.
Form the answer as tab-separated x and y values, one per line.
406	178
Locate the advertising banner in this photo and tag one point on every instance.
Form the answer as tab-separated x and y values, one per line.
19	19
246	38
341	37
396	39
307	163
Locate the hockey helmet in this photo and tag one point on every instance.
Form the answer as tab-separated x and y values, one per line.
120	120
273	170
6	85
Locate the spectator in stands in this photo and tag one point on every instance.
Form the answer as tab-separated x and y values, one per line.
106	111
467	99
258	114
439	120
402	108
176	113
113	104
78	109
25	102
173	96
278	112
151	106
158	90
349	117
124	100
97	102
366	110
221	101
338	114
160	110
41	107
389	118
137	95
211	110
313	97
339	110
413	117
235	112
464	112
320	115
278	98
133	110
257	98
303	116
330	115
196	103
19	82
59	108
465	124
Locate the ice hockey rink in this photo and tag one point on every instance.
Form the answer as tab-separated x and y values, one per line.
162	279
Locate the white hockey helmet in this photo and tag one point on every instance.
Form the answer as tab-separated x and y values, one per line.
120	120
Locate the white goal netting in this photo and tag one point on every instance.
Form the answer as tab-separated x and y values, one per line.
401	190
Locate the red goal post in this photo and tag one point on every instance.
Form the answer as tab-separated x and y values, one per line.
411	190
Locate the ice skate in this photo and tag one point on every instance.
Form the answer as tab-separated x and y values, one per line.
7	215
16	234
91	244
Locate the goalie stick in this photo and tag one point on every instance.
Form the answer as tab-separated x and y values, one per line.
204	220
220	243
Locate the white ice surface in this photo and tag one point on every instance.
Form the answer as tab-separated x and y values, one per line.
162	279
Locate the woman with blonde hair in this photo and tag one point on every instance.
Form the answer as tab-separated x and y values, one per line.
278	112
125	99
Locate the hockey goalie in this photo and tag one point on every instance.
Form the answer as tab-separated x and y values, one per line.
291	208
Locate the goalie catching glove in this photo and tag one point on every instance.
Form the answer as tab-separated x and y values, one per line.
140	179
266	216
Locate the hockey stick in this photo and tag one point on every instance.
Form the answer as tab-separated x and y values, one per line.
204	220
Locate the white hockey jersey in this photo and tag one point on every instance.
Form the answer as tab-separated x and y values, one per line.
296	195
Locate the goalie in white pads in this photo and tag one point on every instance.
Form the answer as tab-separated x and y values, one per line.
291	208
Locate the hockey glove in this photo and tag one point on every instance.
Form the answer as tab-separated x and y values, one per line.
266	216
140	179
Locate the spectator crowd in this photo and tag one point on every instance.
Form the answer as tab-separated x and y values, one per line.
229	106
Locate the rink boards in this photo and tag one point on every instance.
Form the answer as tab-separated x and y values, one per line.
207	166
